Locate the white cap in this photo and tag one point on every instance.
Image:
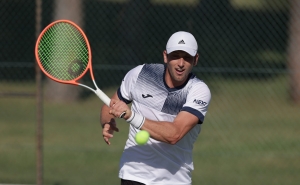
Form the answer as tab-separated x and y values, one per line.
182	41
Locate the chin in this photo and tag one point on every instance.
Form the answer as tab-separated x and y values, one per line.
179	80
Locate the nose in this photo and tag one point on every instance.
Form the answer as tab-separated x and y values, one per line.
181	62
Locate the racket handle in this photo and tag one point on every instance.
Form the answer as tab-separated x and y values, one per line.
106	100
103	96
122	115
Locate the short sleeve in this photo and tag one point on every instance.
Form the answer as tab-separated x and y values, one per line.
128	84
198	100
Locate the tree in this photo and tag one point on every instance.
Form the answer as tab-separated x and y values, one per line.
294	52
70	10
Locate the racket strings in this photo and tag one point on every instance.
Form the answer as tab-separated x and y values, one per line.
63	52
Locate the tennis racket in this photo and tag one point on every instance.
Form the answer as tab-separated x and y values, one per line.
64	54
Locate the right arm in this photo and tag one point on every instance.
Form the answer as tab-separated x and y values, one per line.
107	119
108	122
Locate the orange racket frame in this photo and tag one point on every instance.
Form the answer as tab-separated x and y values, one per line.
98	92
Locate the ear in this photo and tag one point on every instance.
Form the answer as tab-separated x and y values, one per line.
165	55
196	59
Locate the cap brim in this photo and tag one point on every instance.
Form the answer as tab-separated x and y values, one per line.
190	51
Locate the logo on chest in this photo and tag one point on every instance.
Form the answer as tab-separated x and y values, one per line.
147	96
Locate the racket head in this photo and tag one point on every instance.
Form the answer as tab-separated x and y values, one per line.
63	52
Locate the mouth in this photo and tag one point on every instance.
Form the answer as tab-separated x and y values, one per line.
179	71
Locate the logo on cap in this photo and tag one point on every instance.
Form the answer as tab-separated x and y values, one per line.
181	42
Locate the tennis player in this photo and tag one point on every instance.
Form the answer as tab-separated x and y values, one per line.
169	102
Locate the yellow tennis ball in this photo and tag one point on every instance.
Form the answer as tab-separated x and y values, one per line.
142	137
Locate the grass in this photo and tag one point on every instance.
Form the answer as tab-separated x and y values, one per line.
250	136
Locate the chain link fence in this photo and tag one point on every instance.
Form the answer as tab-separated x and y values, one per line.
252	128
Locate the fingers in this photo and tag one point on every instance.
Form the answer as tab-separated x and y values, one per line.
117	113
107	132
113	102
118	108
107	137
106	140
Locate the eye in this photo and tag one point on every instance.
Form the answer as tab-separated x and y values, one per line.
188	58
174	56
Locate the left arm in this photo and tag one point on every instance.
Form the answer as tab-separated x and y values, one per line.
168	132
171	132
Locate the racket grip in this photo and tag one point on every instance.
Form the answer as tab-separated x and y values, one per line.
106	100
122	115
103	96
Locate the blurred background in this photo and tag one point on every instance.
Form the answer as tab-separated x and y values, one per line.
249	57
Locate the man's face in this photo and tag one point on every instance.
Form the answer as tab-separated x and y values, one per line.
179	65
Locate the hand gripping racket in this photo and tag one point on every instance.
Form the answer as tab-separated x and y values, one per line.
63	53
